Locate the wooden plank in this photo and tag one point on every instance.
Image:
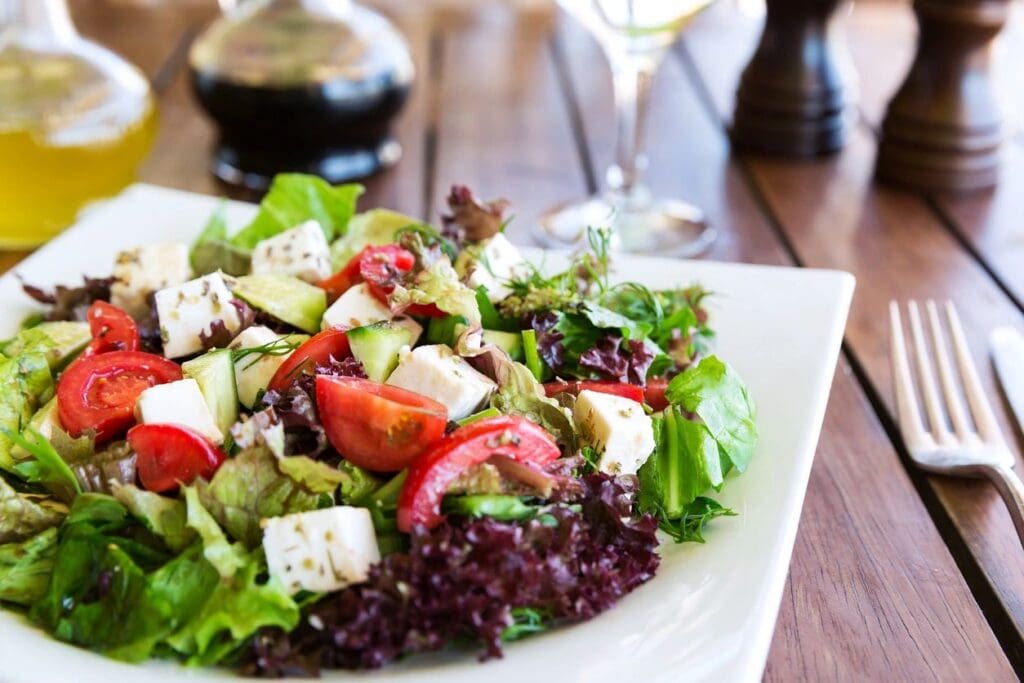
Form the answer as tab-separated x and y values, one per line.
833	216
856	601
502	127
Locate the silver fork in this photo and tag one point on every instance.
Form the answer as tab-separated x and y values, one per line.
958	446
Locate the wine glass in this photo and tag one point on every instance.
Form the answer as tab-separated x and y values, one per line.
634	35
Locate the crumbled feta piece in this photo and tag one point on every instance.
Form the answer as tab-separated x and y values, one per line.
617	428
301	252
322	550
438	373
253	372
178	403
498	263
191	308
358	307
140	271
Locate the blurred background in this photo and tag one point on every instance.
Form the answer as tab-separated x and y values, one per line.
511	96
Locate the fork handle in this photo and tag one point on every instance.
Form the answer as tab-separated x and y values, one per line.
1012	490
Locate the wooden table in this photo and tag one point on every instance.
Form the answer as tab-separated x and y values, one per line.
896	575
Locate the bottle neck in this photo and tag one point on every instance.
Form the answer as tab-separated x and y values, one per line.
44	18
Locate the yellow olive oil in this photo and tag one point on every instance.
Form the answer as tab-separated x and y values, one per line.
73	128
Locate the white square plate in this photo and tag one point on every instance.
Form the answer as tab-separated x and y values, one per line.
709	613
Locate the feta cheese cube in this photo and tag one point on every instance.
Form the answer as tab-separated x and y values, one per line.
438	373
178	403
191	308
617	428
358	307
143	270
498	263
301	252
253	372
322	550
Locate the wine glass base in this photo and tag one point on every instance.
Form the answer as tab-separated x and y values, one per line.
665	227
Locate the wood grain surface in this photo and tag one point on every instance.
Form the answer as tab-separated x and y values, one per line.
895	575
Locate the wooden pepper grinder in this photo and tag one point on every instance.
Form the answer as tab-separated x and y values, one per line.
793	97
943	128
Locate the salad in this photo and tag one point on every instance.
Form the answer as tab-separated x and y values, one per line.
334	439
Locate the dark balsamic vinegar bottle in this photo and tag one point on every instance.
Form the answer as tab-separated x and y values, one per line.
307	86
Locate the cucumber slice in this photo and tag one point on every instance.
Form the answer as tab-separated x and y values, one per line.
59	341
376	346
286	298
215	374
445	330
510	342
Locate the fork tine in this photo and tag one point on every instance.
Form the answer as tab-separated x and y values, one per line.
981	410
954	403
907	410
926	377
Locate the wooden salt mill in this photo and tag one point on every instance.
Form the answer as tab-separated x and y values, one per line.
793	99
943	128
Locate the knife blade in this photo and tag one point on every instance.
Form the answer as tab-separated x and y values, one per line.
1007	346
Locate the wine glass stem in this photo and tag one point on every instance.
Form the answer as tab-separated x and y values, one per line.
631	81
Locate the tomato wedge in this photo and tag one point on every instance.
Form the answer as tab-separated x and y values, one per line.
170	455
317	350
630	391
654	393
379	266
377	426
419	504
98	393
112	329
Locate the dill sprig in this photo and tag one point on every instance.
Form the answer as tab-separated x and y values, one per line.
278	347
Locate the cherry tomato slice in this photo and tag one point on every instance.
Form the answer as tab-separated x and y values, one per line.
630	391
170	455
112	329
317	350
99	392
384	266
380	266
377	426
430	476
340	282
654	393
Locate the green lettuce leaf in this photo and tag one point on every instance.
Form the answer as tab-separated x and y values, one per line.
23	516
113	589
684	465
46	467
235	610
25	568
59	341
226	558
440	285
25	384
295	198
251	486
213	251
519	393
715	393
373	227
689	527
164	517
